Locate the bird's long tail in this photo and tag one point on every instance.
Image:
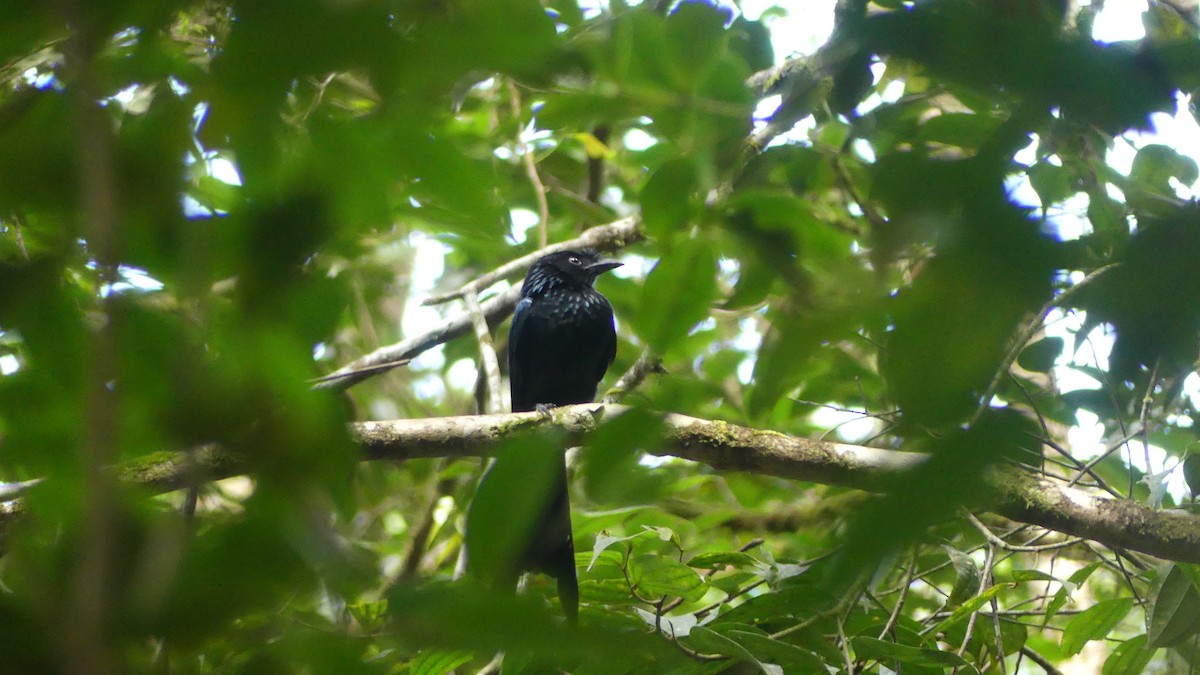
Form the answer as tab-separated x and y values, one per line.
553	548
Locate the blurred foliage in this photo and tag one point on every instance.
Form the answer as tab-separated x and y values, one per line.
274	186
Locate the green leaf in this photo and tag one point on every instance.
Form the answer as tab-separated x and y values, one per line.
1034	575
677	294
437	662
369	615
965	130
707	640
1155	165
657	575
512	499
603	579
1063	594
871	648
668	201
722	559
1175	609
603	541
752	41
1040	356
798	600
611	591
215	195
1131	656
953	324
695	35
970	607
790	657
966	577
610	465
1094	623
1051	182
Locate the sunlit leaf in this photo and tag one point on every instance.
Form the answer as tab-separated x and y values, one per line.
1094	623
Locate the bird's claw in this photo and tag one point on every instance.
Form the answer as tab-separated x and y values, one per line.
545	409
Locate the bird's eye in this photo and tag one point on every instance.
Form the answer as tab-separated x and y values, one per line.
574	260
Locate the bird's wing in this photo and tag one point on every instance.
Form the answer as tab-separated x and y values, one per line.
516	378
610	346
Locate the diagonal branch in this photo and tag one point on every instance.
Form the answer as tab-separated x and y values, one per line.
493	399
494	310
605	237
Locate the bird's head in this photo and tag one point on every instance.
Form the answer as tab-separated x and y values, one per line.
568	268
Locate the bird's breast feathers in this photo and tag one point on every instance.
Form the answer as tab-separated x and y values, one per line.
572	307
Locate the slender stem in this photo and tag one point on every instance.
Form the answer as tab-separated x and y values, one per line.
1031	330
531	172
487	354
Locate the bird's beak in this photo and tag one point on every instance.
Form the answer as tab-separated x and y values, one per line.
600	267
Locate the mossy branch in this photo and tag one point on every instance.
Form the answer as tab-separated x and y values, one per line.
1007	490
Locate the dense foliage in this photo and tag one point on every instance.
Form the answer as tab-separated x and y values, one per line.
205	206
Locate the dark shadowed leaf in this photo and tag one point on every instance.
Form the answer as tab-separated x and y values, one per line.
1175	612
873	648
677	294
1131	656
668	198
1040	356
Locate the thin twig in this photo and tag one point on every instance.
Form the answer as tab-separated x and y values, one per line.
1031	330
9	491
998	635
873	216
846	604
487	353
604	237
895	615
317	97
1048	439
1009	613
645	364
844	643
16	223
492	666
991	537
1110	449
984	578
367	370
1041	661
388	356
526	152
1144	416
411	564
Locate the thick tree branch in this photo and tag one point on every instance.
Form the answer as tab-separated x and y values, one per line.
1008	491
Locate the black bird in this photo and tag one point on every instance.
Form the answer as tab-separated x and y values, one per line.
561	342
